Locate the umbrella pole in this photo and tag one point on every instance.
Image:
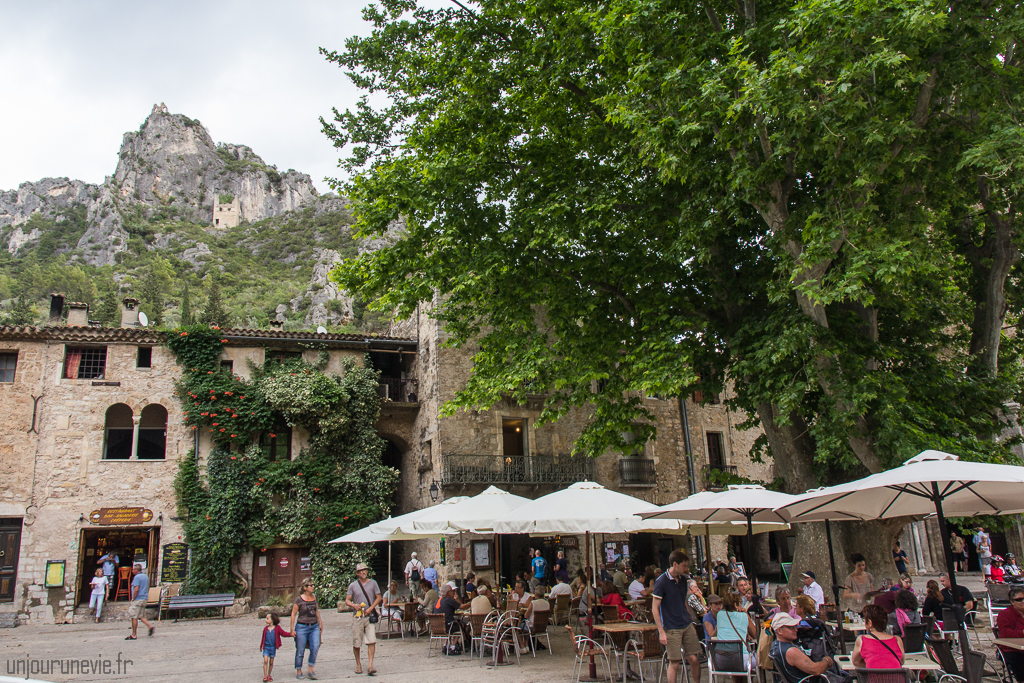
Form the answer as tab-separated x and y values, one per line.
965	644
835	586
750	558
707	558
590	607
462	561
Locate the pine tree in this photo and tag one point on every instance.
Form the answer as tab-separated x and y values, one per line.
21	312
214	313
151	294
186	307
109	312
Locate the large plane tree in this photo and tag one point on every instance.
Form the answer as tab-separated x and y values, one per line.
813	200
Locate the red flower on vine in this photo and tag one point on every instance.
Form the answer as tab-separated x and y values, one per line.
223	341
233	435
233	457
222	429
272	436
216	424
184	334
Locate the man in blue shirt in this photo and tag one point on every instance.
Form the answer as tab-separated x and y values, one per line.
109	562
430	574
675	627
139	591
539	569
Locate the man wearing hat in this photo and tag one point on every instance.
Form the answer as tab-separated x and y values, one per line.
363	597
789	659
812	590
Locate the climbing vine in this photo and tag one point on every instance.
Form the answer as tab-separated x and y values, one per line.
335	485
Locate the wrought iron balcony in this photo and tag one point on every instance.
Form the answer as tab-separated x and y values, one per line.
399	390
635	471
515	469
730	469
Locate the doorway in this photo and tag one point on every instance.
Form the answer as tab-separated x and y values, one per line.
279	571
10	547
131	546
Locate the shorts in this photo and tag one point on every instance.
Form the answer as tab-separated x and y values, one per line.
682	640
363	632
136	609
269	650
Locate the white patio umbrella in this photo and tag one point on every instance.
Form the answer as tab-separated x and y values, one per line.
404	523
932	481
471	514
742	503
365	535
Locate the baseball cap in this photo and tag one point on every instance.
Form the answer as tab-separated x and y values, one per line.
809	575
714	597
784	619
413	555
360	567
451	584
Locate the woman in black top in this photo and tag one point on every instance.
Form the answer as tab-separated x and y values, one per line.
307	627
933	602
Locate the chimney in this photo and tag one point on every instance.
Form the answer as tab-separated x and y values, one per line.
56	308
130	312
276	324
78	314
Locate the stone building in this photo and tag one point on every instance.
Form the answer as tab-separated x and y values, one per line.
228	214
94	435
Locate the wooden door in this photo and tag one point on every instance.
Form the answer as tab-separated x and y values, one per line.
262	566
10	546
285	566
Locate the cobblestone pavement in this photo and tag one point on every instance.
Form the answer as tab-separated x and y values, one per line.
224	651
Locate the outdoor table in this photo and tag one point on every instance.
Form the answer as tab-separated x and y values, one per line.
856	626
624	627
915	661
1015	643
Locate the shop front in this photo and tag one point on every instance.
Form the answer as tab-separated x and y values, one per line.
126	533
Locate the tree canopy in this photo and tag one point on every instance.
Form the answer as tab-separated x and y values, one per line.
813	199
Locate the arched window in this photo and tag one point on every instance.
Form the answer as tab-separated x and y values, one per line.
153	432
118	429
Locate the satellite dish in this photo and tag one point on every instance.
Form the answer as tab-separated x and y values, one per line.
321	330
143	319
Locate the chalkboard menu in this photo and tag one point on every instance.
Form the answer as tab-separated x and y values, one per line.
174	568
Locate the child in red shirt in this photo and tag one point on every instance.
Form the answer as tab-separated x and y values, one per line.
269	643
997	570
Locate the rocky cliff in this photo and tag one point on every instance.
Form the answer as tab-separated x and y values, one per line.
170	166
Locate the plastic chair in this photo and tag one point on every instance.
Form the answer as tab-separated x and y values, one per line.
974	669
713	671
998	599
561	607
913	638
124	578
489	632
540	630
651	653
584	648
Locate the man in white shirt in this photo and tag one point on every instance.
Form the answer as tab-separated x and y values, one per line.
561	588
413	574
812	590
636	590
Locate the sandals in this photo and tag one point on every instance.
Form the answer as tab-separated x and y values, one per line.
131	638
359	670
371	671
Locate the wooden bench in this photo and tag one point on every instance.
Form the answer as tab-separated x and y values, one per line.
180	602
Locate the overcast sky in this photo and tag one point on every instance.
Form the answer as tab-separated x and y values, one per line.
78	75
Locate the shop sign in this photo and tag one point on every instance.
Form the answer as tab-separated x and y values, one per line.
174	568
120	516
283	562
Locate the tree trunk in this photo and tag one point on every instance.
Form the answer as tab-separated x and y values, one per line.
872	539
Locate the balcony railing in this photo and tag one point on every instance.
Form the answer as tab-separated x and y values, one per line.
399	390
637	472
515	469
731	469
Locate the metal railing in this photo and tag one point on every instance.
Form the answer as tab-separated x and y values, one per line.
515	469
731	469
637	472
399	390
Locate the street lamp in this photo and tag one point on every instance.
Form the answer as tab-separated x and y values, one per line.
434	490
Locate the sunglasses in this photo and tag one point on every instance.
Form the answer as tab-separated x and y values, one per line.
1018	599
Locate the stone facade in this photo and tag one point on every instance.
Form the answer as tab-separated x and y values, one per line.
226	215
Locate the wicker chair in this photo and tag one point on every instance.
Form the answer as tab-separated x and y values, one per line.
611	614
574	612
584	648
438	632
561	608
540	630
884	675
476	625
650	653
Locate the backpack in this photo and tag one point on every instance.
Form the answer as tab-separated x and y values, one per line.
414	575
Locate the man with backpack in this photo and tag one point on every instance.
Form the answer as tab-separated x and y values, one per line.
413	575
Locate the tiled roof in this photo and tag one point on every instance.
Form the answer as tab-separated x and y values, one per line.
146	335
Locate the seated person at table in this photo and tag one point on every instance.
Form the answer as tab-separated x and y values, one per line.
710	620
612	597
1010	623
789	659
1011	571
579	583
733	624
391	595
448	605
905	612
560	588
537	604
783	603
484	601
470	586
996	574
933	601
429	598
964	597
876	649
520	595
641	587
596	591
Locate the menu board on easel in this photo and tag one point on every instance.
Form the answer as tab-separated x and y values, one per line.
174	568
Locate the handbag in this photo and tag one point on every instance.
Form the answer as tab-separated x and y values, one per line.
374	617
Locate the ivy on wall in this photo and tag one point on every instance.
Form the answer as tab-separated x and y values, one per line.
335	485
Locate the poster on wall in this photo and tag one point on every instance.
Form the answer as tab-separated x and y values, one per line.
482	555
174	568
615	551
54	577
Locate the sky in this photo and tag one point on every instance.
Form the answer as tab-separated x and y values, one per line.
78	75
